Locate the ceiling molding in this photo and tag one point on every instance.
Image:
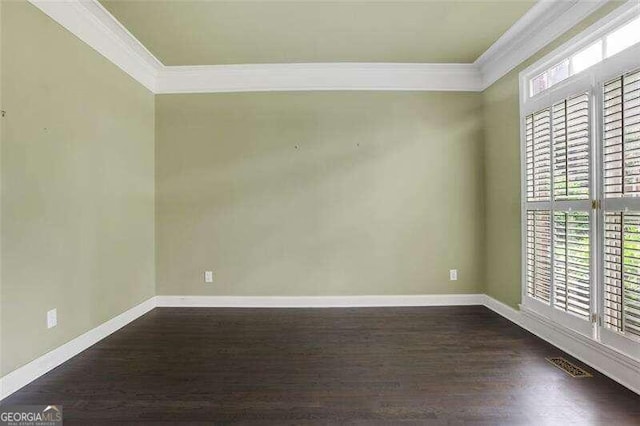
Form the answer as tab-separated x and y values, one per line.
543	23
319	76
93	24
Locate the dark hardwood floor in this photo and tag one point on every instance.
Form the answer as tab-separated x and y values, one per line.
435	365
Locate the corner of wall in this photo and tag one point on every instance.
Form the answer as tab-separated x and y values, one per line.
155	205
483	196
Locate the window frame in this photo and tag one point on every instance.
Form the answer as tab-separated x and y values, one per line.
572	321
627	343
598	31
590	80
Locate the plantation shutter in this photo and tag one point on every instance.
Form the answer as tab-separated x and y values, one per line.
571	265
538	136
621	136
558	222
622	272
539	254
621	187
571	146
580	162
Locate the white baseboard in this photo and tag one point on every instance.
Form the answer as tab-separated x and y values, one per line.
619	367
502	309
616	365
47	362
319	301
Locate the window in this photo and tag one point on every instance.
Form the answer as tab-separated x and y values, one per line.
587	57
559	226
538	156
558	222
615	41
622	136
539	254
622	272
581	184
623	37
571	148
621	139
571	263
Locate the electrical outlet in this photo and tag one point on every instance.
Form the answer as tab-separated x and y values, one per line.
52	318
453	274
208	276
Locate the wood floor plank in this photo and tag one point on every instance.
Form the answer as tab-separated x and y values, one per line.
432	365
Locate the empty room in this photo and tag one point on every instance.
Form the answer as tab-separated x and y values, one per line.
320	212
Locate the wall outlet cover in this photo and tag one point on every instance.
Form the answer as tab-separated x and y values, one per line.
453	274
52	318
208	276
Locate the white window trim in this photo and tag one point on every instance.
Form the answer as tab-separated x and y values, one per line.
589	80
593	33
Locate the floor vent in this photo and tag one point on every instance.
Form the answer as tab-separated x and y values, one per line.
569	368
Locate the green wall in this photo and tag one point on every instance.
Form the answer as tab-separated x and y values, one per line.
502	174
383	194
77	187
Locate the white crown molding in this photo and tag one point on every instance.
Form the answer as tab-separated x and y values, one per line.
543	23
319	76
92	23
